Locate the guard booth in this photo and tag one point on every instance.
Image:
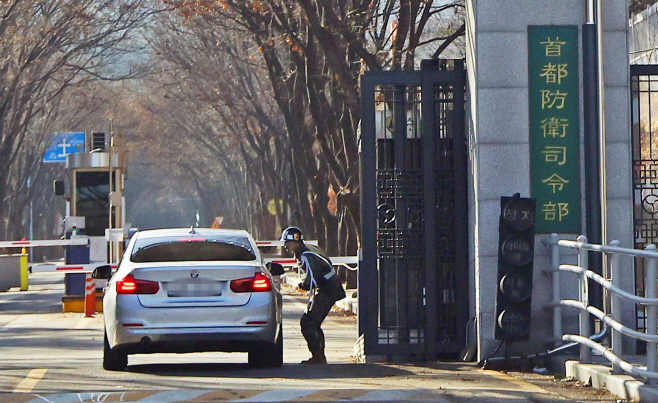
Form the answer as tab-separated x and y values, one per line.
97	178
413	267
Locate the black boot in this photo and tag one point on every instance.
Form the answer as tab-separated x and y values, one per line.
317	358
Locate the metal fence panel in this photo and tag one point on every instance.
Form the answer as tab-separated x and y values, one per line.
413	269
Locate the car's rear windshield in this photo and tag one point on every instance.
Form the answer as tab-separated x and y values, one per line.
181	249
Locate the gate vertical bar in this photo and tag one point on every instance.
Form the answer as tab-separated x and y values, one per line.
367	274
461	197
395	312
429	136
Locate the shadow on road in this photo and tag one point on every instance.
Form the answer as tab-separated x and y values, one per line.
288	371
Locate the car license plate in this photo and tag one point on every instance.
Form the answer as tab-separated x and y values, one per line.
198	288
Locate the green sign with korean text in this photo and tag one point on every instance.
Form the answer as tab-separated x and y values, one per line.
554	127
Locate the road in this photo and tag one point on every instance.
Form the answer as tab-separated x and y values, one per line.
49	356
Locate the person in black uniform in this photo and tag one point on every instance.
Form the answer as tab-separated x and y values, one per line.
320	280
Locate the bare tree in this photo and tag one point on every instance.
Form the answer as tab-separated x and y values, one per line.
312	53
46	48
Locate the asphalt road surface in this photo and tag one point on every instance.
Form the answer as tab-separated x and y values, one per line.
50	356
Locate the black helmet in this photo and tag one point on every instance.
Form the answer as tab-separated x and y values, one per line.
292	234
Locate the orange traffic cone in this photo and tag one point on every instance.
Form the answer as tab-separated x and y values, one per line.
90	296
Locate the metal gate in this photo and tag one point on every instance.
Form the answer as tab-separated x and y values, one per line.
413	268
644	133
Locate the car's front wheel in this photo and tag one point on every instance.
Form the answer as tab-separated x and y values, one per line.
113	360
268	355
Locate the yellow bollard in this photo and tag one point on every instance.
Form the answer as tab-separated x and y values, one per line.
23	260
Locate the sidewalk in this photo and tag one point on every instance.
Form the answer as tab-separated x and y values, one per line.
599	376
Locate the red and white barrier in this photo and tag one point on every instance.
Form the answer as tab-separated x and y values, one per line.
52	242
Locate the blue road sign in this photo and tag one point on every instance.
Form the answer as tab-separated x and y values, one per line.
64	143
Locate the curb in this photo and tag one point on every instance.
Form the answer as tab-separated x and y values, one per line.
600	376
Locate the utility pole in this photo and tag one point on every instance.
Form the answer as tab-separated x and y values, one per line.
594	143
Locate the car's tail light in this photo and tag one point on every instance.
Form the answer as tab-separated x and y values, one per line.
257	283
130	285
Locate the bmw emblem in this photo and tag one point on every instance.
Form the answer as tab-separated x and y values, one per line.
194	274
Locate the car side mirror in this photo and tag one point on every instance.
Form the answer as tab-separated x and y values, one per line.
104	272
276	269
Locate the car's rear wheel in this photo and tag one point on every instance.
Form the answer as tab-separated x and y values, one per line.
268	355
113	360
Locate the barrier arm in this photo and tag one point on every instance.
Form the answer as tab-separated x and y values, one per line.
53	242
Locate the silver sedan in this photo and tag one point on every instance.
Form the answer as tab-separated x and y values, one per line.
192	290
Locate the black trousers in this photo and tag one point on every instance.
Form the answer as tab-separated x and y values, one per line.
313	318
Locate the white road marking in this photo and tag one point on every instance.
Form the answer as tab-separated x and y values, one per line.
74	397
174	396
82	323
30	381
279	395
388	395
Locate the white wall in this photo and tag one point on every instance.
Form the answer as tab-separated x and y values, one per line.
497	63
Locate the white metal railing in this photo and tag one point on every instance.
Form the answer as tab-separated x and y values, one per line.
343	261
281	243
611	319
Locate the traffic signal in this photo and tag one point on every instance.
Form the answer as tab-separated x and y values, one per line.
516	231
59	188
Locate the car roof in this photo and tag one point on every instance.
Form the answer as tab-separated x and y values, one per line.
157	233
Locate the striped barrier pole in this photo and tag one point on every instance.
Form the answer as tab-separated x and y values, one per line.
90	296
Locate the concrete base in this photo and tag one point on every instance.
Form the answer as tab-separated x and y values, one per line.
76	303
599	376
13	272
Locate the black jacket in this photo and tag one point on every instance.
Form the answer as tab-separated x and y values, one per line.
318	273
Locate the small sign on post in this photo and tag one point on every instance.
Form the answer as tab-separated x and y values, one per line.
217	223
114	234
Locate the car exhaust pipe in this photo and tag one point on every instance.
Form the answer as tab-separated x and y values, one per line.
145	342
